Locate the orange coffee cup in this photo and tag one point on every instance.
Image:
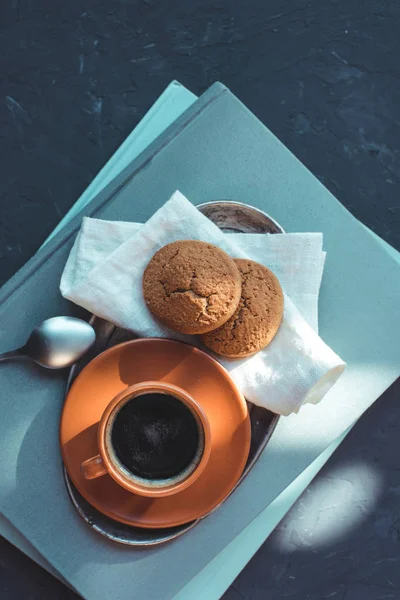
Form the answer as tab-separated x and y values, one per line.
108	462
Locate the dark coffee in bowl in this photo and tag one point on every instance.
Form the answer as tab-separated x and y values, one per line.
155	436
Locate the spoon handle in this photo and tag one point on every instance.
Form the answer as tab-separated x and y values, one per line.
10	354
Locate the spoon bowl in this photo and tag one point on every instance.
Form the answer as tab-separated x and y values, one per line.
56	343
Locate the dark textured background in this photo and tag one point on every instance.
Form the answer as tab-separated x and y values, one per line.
324	76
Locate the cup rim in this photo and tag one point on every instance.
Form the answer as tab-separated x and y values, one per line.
132	484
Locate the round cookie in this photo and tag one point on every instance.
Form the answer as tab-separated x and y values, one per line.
192	286
257	318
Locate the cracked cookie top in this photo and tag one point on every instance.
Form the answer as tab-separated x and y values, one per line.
257	318
192	286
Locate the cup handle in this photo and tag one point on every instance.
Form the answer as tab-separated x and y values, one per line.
93	467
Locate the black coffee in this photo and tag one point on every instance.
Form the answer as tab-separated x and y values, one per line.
155	436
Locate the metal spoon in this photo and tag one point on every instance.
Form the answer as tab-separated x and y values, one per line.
56	343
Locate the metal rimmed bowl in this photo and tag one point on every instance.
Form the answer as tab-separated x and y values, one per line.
229	216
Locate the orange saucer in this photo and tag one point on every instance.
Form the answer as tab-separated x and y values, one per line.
186	367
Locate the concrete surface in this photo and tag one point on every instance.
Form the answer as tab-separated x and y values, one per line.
324	76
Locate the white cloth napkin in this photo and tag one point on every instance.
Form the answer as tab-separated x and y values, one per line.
104	275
